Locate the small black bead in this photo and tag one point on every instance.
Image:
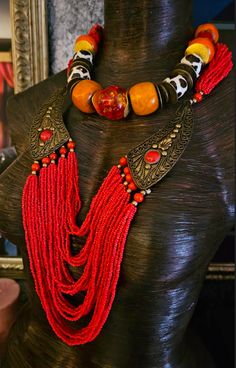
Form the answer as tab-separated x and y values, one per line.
173	98
163	93
84	63
72	84
187	68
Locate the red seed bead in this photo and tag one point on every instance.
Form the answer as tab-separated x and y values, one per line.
198	97
46	160
132	186
128	178
53	156
71	145
35	167
63	150
126	170
139	197
123	161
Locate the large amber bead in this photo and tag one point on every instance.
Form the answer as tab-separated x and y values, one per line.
82	94
85	42
111	102
144	98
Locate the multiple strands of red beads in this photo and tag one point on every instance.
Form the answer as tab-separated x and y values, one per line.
51	202
147	97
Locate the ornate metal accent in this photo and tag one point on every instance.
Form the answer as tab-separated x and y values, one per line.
29	42
221	271
12	267
49	117
171	142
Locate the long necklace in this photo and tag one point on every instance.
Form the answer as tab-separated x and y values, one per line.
51	201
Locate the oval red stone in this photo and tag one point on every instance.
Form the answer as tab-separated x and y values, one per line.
152	156
45	135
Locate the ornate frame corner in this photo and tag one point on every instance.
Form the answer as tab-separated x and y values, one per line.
29	42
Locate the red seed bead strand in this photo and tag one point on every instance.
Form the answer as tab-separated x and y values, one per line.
58	310
104	314
217	70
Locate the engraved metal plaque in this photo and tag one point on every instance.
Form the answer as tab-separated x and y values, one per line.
166	146
49	118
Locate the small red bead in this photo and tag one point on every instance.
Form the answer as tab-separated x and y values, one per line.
198	97
139	197
53	156
123	161
35	167
132	186
71	145
63	150
46	160
128	178
45	135
126	170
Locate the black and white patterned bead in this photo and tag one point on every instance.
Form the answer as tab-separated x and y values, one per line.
195	62
78	72
84	54
179	83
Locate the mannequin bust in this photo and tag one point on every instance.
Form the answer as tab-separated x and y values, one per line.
175	233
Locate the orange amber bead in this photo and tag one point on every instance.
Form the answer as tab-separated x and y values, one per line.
210	28
82	94
206	42
85	42
144	98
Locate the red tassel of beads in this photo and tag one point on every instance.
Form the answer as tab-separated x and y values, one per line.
217	70
50	204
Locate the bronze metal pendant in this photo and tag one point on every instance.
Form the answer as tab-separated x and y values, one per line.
150	161
48	131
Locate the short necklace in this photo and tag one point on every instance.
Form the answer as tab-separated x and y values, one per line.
144	98
51	199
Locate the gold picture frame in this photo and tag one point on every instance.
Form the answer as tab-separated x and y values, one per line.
29	55
29	42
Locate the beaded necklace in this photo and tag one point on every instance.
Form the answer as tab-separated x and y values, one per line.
51	199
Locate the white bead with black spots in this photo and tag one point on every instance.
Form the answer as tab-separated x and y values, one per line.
78	72
83	54
179	83
194	61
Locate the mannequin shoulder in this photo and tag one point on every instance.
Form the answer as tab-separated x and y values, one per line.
22	107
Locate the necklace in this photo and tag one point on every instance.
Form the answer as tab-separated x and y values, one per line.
51	201
145	98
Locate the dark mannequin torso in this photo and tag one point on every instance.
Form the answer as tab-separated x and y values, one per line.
178	229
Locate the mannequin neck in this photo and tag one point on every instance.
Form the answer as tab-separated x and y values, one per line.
139	32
